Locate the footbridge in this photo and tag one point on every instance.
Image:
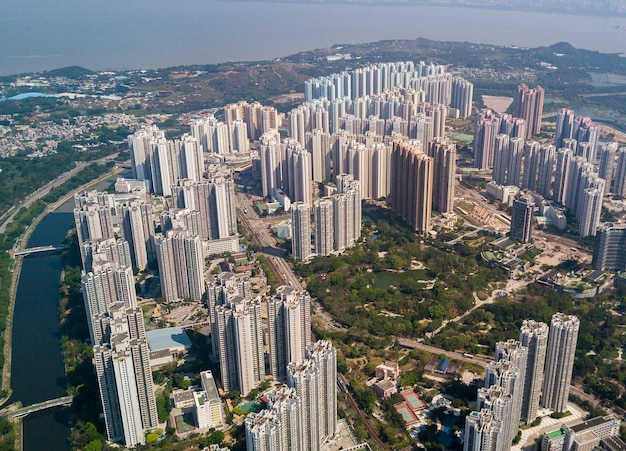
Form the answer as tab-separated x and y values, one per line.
14	411
35	250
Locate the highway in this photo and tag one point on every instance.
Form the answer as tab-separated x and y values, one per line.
7	217
477	359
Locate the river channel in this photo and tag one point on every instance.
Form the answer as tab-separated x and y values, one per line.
37	369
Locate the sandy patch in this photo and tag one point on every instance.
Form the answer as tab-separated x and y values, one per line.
497	103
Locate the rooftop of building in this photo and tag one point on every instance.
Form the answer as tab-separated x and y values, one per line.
593	422
385	384
208	382
555	434
183	396
613	444
168	338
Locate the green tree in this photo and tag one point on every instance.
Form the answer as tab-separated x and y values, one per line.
95	445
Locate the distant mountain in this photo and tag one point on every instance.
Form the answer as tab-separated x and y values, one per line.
69	72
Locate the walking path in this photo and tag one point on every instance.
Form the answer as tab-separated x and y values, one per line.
548	424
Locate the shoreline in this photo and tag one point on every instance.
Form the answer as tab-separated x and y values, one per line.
8	334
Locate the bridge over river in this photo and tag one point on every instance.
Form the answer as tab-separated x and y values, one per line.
14	411
34	250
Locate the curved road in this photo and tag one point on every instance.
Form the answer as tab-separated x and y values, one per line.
7	217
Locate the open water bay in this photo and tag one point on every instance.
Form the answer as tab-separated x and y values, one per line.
39	35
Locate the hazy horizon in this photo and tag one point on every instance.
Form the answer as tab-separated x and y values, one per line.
36	36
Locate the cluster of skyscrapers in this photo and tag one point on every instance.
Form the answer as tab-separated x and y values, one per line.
357	124
237	332
117	233
527	374
337	221
438	86
422	181
576	170
116	326
301	415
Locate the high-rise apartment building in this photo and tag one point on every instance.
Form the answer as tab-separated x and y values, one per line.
462	96
533	335
317	142
140	145
225	289
182	218
314	381
346	212
507	375
298	178
606	169
529	106
589	215
160	162
181	266
561	179
412	185
214	199
289	328
620	173
301	231
125	380
101	251
324	226
280	426
303	416
499	402
609	248
559	361
105	285
325	357
546	160
483	431
501	159
584	131
531	165
271	161
564	126
137	226
485	131
213	135
258	118
521	219
443	153
92	216
240	344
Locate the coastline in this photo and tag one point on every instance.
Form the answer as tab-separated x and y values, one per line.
209	22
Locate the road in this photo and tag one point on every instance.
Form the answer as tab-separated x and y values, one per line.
477	359
7	217
259	229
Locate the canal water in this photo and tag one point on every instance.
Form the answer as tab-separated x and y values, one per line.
37	369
